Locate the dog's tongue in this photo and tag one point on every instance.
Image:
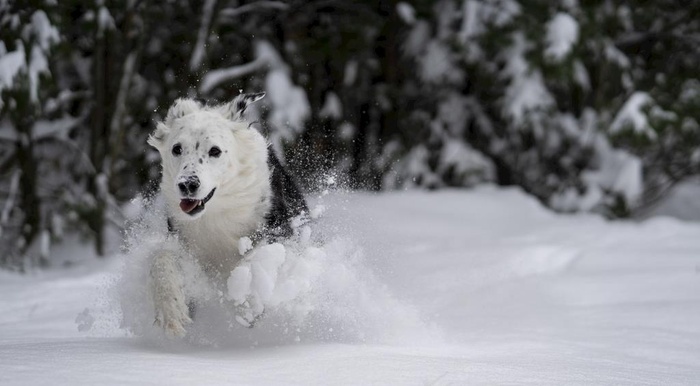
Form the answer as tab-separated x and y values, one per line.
187	205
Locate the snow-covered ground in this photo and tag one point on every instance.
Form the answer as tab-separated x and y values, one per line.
432	288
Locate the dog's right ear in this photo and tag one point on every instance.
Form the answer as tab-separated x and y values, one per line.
157	138
235	109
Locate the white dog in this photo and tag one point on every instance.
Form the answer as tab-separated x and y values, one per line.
220	182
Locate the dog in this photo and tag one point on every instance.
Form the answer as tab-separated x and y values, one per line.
221	182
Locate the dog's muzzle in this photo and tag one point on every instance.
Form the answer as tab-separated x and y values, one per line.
192	206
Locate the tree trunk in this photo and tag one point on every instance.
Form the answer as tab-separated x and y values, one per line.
29	201
99	141
22	118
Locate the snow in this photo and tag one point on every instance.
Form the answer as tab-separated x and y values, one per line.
465	161
332	107
275	275
431	50
632	115
414	44
350	73
265	56
526	90
581	76
499	13
11	64
38	65
614	55
450	287
406	12
43	31
105	21
682	202
202	35
290	106
57	128
436	64
229	14
617	171
470	23
215	77
43	35
245	244
414	165
562	35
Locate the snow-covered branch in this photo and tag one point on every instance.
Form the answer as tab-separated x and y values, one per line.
216	77
265	55
202	35
120	104
259	5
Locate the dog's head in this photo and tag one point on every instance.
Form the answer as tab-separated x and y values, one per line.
201	148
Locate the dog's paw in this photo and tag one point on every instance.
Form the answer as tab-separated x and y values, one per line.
173	317
248	316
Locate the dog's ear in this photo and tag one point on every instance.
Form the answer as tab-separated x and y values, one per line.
157	138
234	110
180	108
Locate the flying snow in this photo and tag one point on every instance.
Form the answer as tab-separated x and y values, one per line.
314	286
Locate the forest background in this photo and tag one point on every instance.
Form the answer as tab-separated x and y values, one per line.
587	106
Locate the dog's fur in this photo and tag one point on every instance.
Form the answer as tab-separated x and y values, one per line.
220	182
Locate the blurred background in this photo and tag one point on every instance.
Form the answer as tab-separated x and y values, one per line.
587	106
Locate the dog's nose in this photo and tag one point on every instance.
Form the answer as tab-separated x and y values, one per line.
189	185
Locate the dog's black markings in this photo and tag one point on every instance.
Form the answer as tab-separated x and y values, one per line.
171	226
287	201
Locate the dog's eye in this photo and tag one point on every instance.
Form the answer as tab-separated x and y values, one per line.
177	149
214	152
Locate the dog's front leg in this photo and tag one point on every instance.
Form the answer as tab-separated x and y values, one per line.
167	287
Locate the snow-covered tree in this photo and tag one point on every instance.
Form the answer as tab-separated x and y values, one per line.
578	103
26	105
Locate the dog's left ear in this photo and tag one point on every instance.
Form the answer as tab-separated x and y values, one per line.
157	138
234	110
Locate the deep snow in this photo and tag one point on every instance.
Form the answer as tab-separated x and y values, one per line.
452	287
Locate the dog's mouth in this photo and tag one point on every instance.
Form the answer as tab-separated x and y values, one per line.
192	207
